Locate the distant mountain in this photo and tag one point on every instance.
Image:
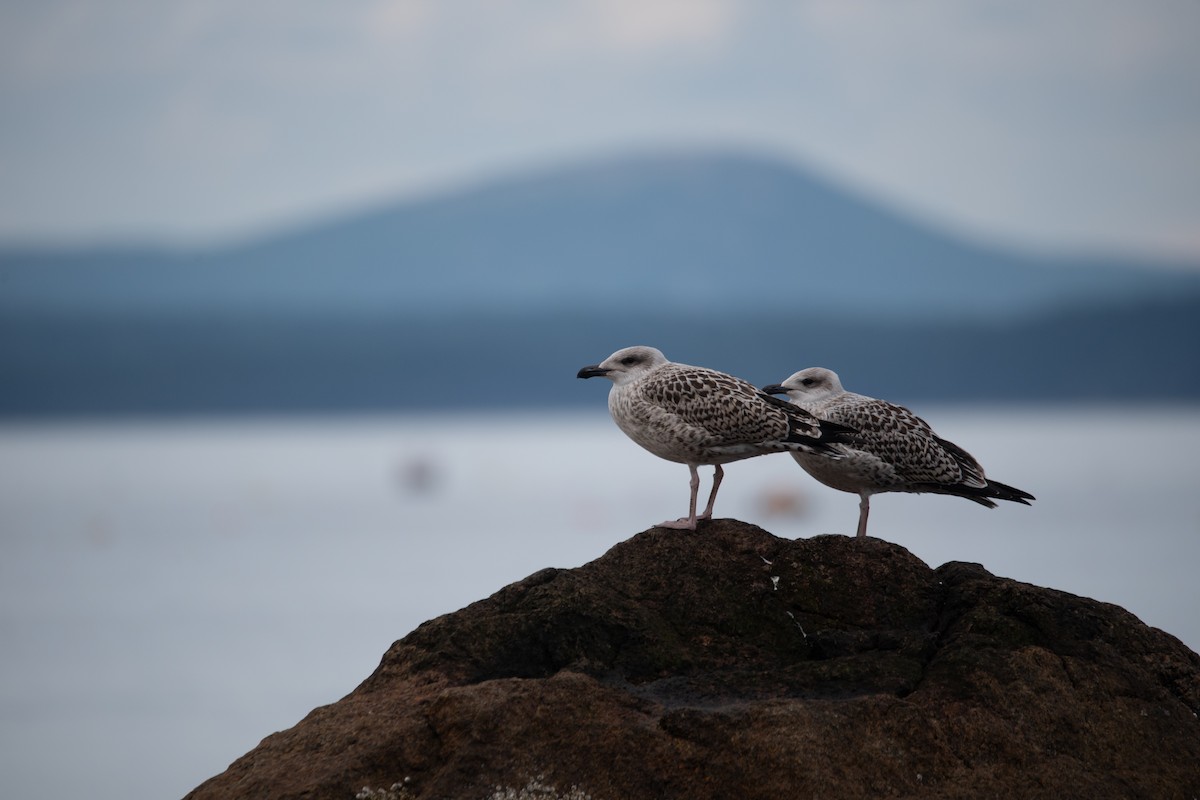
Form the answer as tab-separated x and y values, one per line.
493	297
654	233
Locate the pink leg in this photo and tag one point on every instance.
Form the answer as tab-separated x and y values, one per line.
688	523
864	509
718	474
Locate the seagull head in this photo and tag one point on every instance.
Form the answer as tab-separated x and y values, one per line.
808	385
626	365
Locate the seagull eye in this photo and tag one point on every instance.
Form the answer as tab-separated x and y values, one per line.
808	381
629	361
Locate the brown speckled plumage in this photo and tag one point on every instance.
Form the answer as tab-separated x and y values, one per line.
892	450
692	415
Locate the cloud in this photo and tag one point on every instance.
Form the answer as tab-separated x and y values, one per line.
396	21
632	26
1056	121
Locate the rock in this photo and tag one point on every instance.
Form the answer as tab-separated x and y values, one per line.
729	663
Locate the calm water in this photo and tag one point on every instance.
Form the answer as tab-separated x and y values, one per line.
171	593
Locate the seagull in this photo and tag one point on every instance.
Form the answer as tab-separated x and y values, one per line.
893	450
694	416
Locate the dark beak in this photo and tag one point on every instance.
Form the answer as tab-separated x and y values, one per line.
594	371
774	388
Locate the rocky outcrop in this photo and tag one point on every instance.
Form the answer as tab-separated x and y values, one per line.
729	663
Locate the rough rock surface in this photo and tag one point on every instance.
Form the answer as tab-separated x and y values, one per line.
729	663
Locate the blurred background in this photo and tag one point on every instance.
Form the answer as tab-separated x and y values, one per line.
292	296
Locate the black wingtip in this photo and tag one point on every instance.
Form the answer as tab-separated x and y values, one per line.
834	431
837	431
984	495
1002	491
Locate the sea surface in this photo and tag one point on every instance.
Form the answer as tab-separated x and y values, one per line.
171	592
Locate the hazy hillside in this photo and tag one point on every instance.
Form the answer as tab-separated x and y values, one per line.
493	297
654	233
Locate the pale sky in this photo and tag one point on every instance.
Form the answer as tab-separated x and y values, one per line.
1069	124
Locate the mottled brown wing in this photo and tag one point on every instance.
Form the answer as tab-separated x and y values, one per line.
727	408
904	440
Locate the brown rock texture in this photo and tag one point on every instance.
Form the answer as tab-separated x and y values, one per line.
729	663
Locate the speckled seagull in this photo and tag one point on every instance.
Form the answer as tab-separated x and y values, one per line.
695	416
893	450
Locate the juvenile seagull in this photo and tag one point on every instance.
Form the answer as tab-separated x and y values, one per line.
893	450
695	416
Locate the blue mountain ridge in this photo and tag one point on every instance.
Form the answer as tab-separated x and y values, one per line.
493	297
657	232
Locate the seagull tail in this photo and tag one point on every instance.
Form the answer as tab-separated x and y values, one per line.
984	495
807	432
1003	491
826	440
